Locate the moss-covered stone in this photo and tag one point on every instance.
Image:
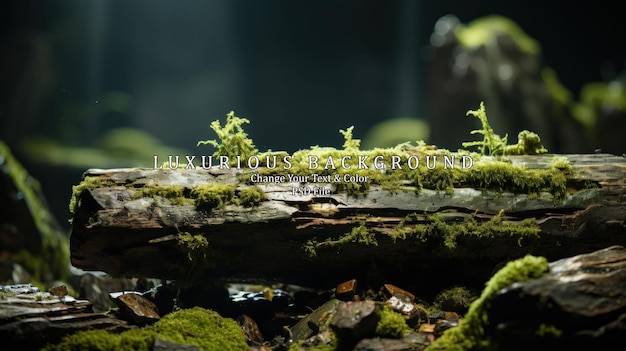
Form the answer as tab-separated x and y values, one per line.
390	325
560	95
52	256
596	97
484	30
470	334
195	326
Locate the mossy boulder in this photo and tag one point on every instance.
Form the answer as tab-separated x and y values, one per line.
31	235
195	326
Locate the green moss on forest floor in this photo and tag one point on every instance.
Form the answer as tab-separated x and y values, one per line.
195	326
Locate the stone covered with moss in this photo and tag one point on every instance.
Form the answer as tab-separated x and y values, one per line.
470	334
195	326
46	251
482	30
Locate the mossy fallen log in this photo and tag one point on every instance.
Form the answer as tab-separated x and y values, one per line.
453	224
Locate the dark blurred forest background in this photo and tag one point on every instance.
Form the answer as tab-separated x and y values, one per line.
102	84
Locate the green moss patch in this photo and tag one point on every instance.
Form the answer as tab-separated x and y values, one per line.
233	140
374	167
174	193
470	334
505	177
199	255
212	195
528	143
456	299
484	30
449	232
53	255
435	228
88	183
391	324
431	170
360	235
195	326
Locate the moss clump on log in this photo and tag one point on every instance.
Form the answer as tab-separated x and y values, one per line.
456	299
198	251
505	177
433	170
433	227
212	195
233	140
528	143
174	193
87	183
195	246
359	234
488	174
250	196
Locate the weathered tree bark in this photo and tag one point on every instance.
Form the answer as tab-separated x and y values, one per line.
117	231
